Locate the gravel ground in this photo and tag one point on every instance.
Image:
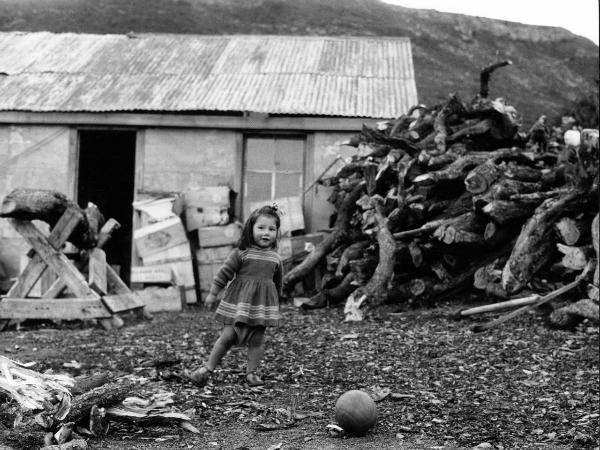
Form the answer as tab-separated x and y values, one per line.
522	385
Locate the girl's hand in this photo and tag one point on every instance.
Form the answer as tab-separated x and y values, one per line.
210	300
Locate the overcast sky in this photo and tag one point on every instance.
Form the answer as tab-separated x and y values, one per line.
578	16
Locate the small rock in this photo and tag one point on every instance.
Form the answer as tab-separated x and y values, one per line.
483	445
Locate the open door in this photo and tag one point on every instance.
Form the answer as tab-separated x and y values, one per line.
106	178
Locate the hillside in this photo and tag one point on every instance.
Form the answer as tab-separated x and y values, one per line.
551	66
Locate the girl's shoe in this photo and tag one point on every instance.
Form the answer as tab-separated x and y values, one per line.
201	376
254	380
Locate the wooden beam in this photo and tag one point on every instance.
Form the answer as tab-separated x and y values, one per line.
115	284
55	289
122	302
262	122
55	308
97	271
36	266
55	259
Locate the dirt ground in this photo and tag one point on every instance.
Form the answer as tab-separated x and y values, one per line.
522	385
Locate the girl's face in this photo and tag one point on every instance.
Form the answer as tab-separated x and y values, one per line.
264	231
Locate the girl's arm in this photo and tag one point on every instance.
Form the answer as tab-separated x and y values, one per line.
278	278
226	273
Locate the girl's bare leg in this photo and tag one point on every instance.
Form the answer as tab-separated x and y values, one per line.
256	350
226	340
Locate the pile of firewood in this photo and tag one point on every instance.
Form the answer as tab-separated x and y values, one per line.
454	195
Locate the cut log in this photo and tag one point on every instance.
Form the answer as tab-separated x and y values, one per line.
466	230
569	230
540	196
353	251
439	162
542	300
376	288
486	275
416	254
377	285
463	165
35	204
106	395
95	221
435	224
503	211
481	128
362	269
486	73
496	233
441	272
421	288
532	246
585	171
505	188
369	171
570	315
106	232
49	206
341	232
482	177
465	277
333	295
522	173
87	383
595	232
575	258
453	106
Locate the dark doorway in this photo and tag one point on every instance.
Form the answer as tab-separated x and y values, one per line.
106	178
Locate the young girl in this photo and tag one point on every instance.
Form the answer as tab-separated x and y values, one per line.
251	301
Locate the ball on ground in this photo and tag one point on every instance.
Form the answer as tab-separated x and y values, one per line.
355	412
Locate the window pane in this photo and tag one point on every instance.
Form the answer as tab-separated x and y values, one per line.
289	154
258	186
260	154
288	185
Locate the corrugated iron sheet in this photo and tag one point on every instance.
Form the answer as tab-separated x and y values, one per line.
333	76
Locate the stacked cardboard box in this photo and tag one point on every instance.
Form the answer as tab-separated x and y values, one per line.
208	215
207	206
215	245
164	256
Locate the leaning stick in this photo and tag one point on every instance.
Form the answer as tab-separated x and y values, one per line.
500	305
546	298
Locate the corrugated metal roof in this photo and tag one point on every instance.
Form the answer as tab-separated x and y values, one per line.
333	76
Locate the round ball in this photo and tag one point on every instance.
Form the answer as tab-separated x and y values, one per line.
355	412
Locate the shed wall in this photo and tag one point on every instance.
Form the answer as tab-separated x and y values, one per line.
176	160
168	160
34	157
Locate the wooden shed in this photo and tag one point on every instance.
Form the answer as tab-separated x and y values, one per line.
107	118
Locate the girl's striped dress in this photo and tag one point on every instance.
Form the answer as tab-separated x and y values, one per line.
252	297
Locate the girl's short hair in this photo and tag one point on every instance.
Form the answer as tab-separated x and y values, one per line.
247	237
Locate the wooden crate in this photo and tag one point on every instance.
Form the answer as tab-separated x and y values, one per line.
219	236
159	236
211	254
